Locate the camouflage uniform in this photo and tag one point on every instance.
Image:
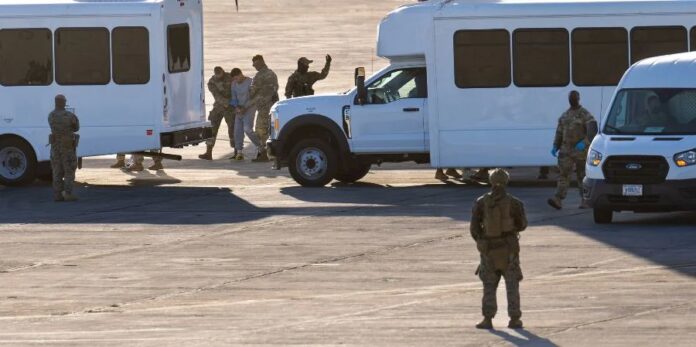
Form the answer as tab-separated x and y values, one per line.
572	128
221	90
300	84
497	218
63	140
263	94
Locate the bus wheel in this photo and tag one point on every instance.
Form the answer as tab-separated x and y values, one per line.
602	215
17	162
354	173
312	163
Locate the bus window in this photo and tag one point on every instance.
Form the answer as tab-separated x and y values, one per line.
541	57
131	55
178	48
693	37
649	42
82	56
482	58
600	56
26	57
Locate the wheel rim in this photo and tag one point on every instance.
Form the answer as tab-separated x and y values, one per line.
311	163
13	163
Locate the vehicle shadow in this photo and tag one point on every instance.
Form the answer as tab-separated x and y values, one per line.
526	338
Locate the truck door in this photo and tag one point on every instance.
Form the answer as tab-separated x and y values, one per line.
392	118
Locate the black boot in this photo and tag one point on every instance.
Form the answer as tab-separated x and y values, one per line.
515	323
486	323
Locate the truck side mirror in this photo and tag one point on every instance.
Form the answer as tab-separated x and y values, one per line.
592	130
361	98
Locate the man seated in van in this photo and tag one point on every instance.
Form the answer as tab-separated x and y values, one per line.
654	115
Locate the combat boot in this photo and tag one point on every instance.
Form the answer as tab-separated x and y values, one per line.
208	155
69	197
515	323
555	202
261	158
453	173
135	168
119	164
486	323
481	175
156	166
58	197
439	175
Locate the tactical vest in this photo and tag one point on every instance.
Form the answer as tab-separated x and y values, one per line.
497	218
574	128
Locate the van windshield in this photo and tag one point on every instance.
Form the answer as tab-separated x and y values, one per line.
669	111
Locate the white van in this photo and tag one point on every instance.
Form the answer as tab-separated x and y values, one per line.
474	84
644	157
132	72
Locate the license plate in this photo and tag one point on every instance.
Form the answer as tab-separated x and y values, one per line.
632	190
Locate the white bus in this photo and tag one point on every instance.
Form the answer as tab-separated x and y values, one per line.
132	71
475	84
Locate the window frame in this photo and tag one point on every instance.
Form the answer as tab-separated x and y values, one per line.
55	55
367	86
515	60
113	56
52	73
168	46
572	55
509	59
633	29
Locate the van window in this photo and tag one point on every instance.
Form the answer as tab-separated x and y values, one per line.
600	56
178	48
82	56
26	57
541	57
131	54
649	42
653	111
482	58
398	84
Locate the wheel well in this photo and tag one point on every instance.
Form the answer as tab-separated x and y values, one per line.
19	138
313	131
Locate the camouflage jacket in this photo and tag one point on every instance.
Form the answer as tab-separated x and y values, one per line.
517	214
264	88
221	90
572	128
300	84
64	124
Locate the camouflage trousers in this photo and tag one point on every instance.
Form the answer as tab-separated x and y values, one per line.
215	117
567	162
491	278
63	165
263	123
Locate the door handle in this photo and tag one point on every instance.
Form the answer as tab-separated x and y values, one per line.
411	109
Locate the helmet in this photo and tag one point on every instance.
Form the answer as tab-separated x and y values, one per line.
499	177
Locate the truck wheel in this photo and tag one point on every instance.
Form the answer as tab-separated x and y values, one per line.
312	163
602	215
17	162
354	173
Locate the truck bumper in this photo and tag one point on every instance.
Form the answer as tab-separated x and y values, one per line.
671	195
186	137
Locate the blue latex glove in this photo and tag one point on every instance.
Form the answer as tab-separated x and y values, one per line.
554	152
580	146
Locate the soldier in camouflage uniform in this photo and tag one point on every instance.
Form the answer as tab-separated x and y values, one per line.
496	221
301	82
63	140
263	94
570	146
220	86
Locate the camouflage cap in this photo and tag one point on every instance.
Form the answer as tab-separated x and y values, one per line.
305	61
499	177
60	97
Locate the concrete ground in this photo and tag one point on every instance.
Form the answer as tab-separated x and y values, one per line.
221	253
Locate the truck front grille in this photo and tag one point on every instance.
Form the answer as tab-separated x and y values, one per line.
635	169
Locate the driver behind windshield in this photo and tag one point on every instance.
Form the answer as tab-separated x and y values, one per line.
654	115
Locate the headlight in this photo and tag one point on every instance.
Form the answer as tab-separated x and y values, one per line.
594	158
687	158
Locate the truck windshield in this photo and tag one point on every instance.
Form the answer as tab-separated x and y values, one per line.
669	111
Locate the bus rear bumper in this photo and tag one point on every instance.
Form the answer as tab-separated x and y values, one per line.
186	137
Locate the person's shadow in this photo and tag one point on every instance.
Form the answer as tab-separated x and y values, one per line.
527	338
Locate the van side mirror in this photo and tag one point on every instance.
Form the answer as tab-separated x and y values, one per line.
592	129
361	98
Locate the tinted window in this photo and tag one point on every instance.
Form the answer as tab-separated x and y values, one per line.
600	56
482	58
649	42
82	56
178	48
26	57
131	52
541	57
653	111
398	84
693	38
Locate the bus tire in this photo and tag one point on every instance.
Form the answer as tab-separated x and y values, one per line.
354	173
602	215
313	162
17	162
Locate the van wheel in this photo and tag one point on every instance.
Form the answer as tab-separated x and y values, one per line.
354	173
313	163
17	162
602	215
